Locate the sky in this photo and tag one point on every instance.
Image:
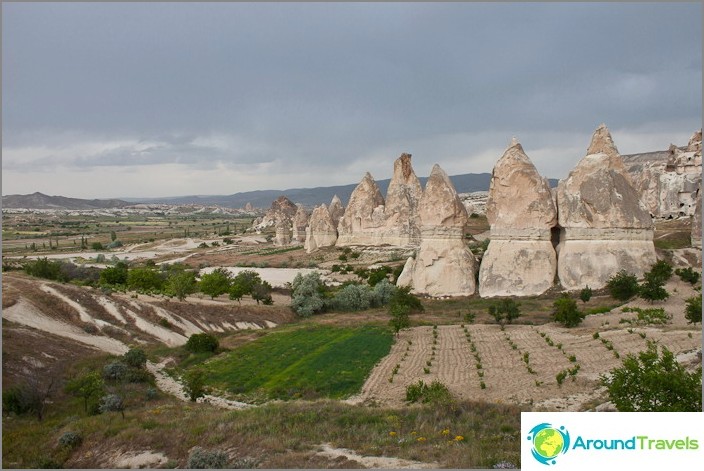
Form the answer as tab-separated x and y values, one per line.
104	100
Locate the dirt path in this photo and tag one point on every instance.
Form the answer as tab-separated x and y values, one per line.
375	462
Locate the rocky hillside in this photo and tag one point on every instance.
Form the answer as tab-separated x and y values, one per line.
41	201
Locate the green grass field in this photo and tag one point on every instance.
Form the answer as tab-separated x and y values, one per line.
309	362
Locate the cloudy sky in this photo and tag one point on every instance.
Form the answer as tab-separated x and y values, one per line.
164	99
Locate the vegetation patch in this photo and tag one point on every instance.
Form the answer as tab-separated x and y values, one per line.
310	362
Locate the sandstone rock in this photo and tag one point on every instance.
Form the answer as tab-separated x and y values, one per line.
281	208
320	231
520	259
364	215
443	266
605	225
248	208
336	210
283	232
299	223
401	211
475	202
697	223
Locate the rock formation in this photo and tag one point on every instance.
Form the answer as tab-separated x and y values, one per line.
364	215
299	223
283	232
475	202
697	224
402	227
605	227
248	208
321	231
520	259
281	208
443	266
670	180
336	210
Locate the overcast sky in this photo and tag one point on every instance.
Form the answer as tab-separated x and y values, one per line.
164	99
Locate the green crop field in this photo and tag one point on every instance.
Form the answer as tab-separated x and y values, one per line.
310	362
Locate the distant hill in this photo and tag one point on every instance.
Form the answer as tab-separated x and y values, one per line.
41	201
309	197
466	183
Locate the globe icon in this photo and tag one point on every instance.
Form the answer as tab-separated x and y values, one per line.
548	443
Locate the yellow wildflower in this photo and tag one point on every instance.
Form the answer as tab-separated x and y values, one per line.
414	433
421	439
459	438
446	431
393	434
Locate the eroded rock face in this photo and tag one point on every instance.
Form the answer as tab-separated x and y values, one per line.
321	231
283	232
336	210
520	259
300	221
364	216
281	208
697	223
402	199
443	266
605	225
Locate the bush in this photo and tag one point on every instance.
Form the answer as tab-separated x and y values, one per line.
116	275
306	296
44	268
352	298
650	382
377	275
693	311
194	384
216	283
586	294
661	270
204	459
688	275
181	284
70	440
144	279
22	399
382	293
565	311
402	297
505	310
97	246
112	403
115	371
652	288
436	392
622	286
198	343
135	357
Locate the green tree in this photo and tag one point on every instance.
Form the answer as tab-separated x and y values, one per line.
181	284
565	311
198	343
144	279
237	291
194	384
248	279
135	357
505	310
262	292
86	386
353	297
585	294
403	296
116	275
622	286
661	270
215	283
44	268
650	382
399	317
307	293
652	288
693	311
688	275
113	236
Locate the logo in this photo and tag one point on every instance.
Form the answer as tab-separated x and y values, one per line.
548	442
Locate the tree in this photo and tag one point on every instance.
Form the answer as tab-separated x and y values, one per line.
661	270
116	275
144	279
237	291
505	310
113	236
181	284
248	279
198	343
194	384
135	357
649	382
403	296
586	294
399	317
215	283
652	288
688	275
622	286
262	292
693	311
565	311
86	386
307	294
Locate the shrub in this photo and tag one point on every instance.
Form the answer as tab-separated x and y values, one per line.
353	298
144	279
44	268
565	311
97	246
382	293
402	296
115	371
688	275
622	286
70	439
198	343
135	357
181	284
585	294
216	283
435	392
204	459
306	296
22	399
377	275
661	270
152	393
194	384
86	386
112	403
650	382
505	310
652	288
693	311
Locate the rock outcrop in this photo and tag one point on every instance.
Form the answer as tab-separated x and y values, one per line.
605	227
364	216
697	224
520	259
283	232
443	265
475	202
336	210
299	223
402	227
281	208
669	181
321	231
